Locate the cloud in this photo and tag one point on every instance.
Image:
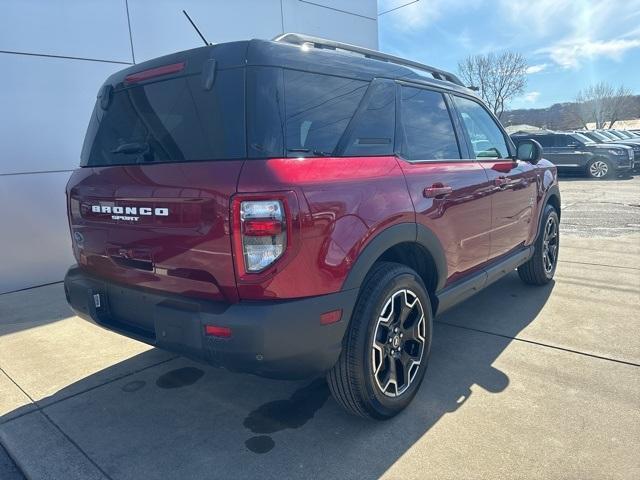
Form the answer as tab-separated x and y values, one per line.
531	97
537	68
571	52
422	13
537	17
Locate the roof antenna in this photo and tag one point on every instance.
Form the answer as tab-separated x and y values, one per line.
194	26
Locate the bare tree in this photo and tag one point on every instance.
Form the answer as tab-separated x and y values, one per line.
602	104
499	78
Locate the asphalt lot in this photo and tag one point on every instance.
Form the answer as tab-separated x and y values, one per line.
523	382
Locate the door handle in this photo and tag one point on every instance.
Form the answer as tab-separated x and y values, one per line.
500	182
437	190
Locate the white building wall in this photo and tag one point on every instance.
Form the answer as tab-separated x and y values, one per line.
53	58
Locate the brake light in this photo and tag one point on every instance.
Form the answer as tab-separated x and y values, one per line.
215	331
154	72
262	228
263	233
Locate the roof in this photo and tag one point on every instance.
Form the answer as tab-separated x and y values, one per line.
324	60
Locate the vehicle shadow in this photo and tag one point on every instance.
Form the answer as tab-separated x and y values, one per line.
188	420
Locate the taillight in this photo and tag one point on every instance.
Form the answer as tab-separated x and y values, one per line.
263	233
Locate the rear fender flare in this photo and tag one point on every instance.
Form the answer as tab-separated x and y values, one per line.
394	235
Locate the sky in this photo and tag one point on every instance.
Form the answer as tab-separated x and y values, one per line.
568	44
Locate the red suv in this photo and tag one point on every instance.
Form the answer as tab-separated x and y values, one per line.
298	207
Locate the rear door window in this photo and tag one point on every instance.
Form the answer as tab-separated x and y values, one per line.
318	109
172	120
545	140
428	132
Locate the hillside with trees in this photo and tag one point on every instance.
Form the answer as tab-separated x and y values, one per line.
563	116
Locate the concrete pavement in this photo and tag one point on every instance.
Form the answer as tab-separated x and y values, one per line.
523	382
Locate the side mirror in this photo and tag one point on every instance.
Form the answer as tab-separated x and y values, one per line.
529	151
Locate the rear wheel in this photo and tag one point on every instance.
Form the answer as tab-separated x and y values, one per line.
386	348
541	267
600	168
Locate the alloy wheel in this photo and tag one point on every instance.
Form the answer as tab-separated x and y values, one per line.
398	343
550	244
599	169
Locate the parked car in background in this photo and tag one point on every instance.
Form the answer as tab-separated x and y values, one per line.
300	207
573	151
624	135
599	137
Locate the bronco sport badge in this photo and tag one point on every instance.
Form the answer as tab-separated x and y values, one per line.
130	214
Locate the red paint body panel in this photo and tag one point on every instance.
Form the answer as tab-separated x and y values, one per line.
343	203
334	207
515	204
461	219
185	253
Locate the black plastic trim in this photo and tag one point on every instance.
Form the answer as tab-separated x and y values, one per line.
390	237
277	339
460	291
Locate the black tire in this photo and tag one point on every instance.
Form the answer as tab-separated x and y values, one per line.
537	270
353	380
600	169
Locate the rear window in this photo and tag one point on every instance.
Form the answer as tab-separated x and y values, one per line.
169	121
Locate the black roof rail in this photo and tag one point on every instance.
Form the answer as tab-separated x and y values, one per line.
301	39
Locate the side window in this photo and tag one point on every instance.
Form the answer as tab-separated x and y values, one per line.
318	109
374	127
545	140
561	141
428	130
486	137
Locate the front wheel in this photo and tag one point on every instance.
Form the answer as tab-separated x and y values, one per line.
541	267
600	169
387	345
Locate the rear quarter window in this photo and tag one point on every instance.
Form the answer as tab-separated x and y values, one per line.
318	109
373	127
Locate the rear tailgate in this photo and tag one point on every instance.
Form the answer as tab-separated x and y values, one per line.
161	159
164	227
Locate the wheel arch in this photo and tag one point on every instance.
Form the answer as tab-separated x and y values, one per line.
410	244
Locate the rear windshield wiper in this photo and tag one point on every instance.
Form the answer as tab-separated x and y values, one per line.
317	153
143	149
135	147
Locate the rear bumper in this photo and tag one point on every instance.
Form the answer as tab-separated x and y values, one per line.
278	339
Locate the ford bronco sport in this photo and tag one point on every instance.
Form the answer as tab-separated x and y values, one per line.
299	207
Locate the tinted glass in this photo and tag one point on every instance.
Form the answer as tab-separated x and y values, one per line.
608	135
563	141
318	109
265	110
581	138
544	140
599	136
169	121
373	131
486	137
428	131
